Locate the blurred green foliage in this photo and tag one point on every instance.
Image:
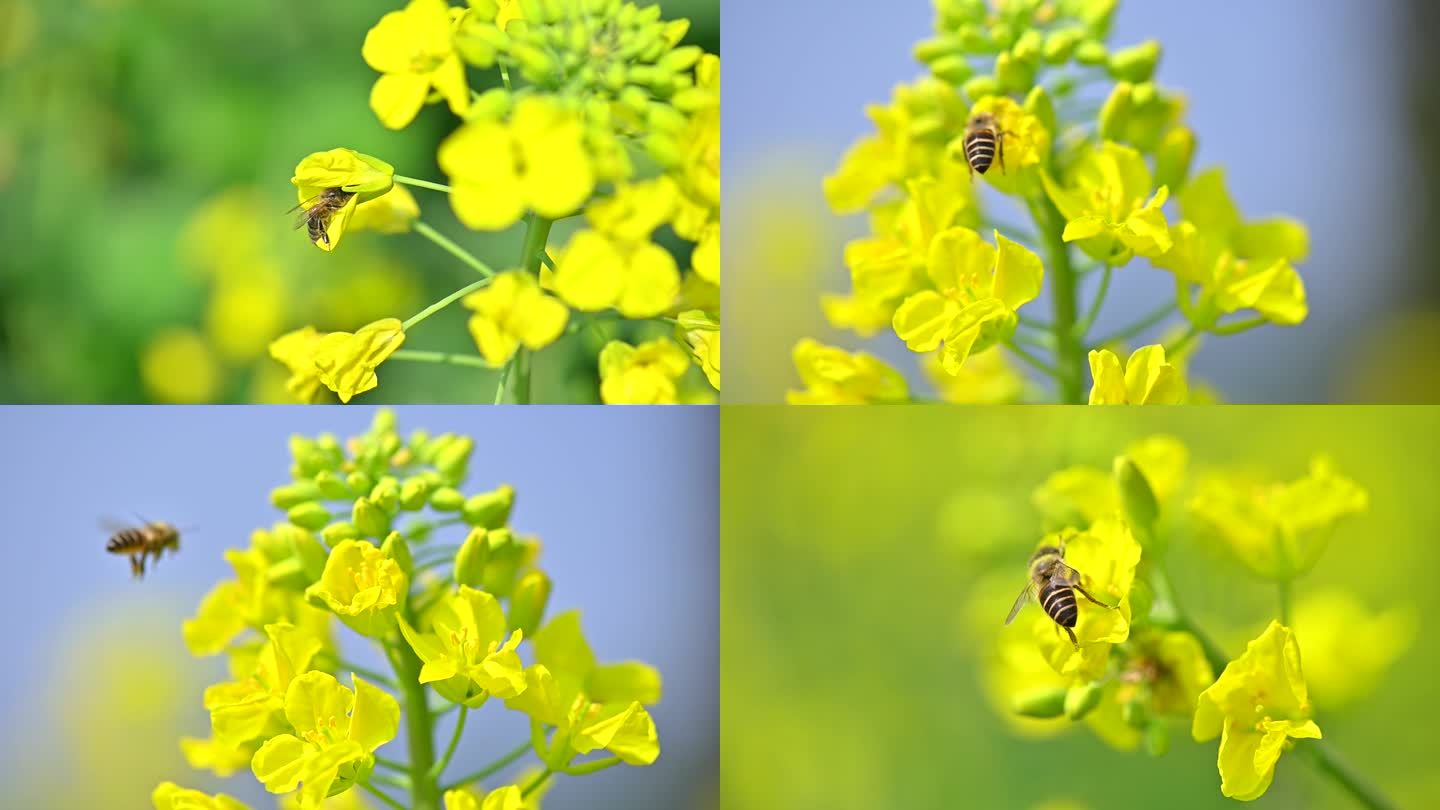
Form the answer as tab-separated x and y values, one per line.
856	604
121	121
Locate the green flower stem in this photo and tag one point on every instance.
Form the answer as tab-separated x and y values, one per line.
439	767
504	378
1283	588
1069	353
441	357
377	793
1039	326
1032	360
411	181
1236	327
1154	317
532	252
1043	342
522	377
535	785
453	249
444	302
1324	759
1186	339
491	769
368	674
391	764
504	74
401	782
1083	328
419	725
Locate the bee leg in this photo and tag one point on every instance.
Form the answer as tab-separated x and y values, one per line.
1000	150
137	566
1087	595
1073	640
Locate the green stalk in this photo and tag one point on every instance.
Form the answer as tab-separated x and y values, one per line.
419	728
453	249
418	183
1069	351
493	768
1283	586
532	250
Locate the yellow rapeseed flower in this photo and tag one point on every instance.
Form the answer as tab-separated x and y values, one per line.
346	362
466	651
243	710
363	586
1103	199
641	375
362	176
178	366
1259	704
1025	140
595	272
988	378
535	161
1106	556
1144	379
297	351
170	796
512	311
392	212
413	50
1339	670
505	798
833	376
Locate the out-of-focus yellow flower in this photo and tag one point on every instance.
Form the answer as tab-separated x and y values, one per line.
1145	379
1339	670
297	351
705	344
1026	144
635	210
363	586
178	367
537	161
392	212
1257	706
505	798
699	169
414	51
641	375
336	734
1103	200
361	176
987	378
1278	530
561	647
245	311
1236	264
892	263
1106	555
212	755
346	362
467	654
595	272
1082	494
1168	670
977	290
512	311
170	796
833	376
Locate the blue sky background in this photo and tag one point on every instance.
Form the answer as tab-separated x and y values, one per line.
624	500
1300	100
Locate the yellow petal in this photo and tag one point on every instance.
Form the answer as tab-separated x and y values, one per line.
396	98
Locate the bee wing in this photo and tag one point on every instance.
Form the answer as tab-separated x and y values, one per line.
1064	575
1025	596
304	209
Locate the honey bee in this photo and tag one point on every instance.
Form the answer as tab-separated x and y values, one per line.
984	141
149	540
316	218
1053	584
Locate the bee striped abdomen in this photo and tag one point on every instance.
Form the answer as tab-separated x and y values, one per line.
127	541
980	150
1059	604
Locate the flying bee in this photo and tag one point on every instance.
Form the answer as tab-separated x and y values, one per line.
984	141
1053	584
316	218
141	542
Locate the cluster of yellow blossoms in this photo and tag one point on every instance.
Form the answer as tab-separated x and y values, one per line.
1099	182
1140	664
458	619
601	114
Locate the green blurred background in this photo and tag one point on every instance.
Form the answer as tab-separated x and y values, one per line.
146	148
866	571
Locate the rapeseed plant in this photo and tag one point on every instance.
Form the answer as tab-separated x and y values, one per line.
1095	152
458	621
601	113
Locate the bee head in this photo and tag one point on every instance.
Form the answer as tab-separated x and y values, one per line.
983	120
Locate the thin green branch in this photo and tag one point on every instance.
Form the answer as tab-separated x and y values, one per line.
536	783
411	181
1152	318
493	768
1176	348
339	664
393	765
1033	361
444	302
1324	759
439	767
504	379
453	249
1283	593
473	361
1236	327
395	781
1082	329
381	795
1039	326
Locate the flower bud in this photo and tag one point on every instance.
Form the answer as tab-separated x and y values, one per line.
1041	703
979	87
1091	52
1135	64
294	494
1027	47
447	499
931	50
1172	158
1014	75
470	560
1060	45
536	65
1137	499
953	69
453	460
301	447
369	519
1081	700
310	516
680	59
359	482
490	510
1038	104
1135	714
415	492
307	549
398	550
418	530
337	533
1115	113
386	495
332	486
1157	738
527	603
